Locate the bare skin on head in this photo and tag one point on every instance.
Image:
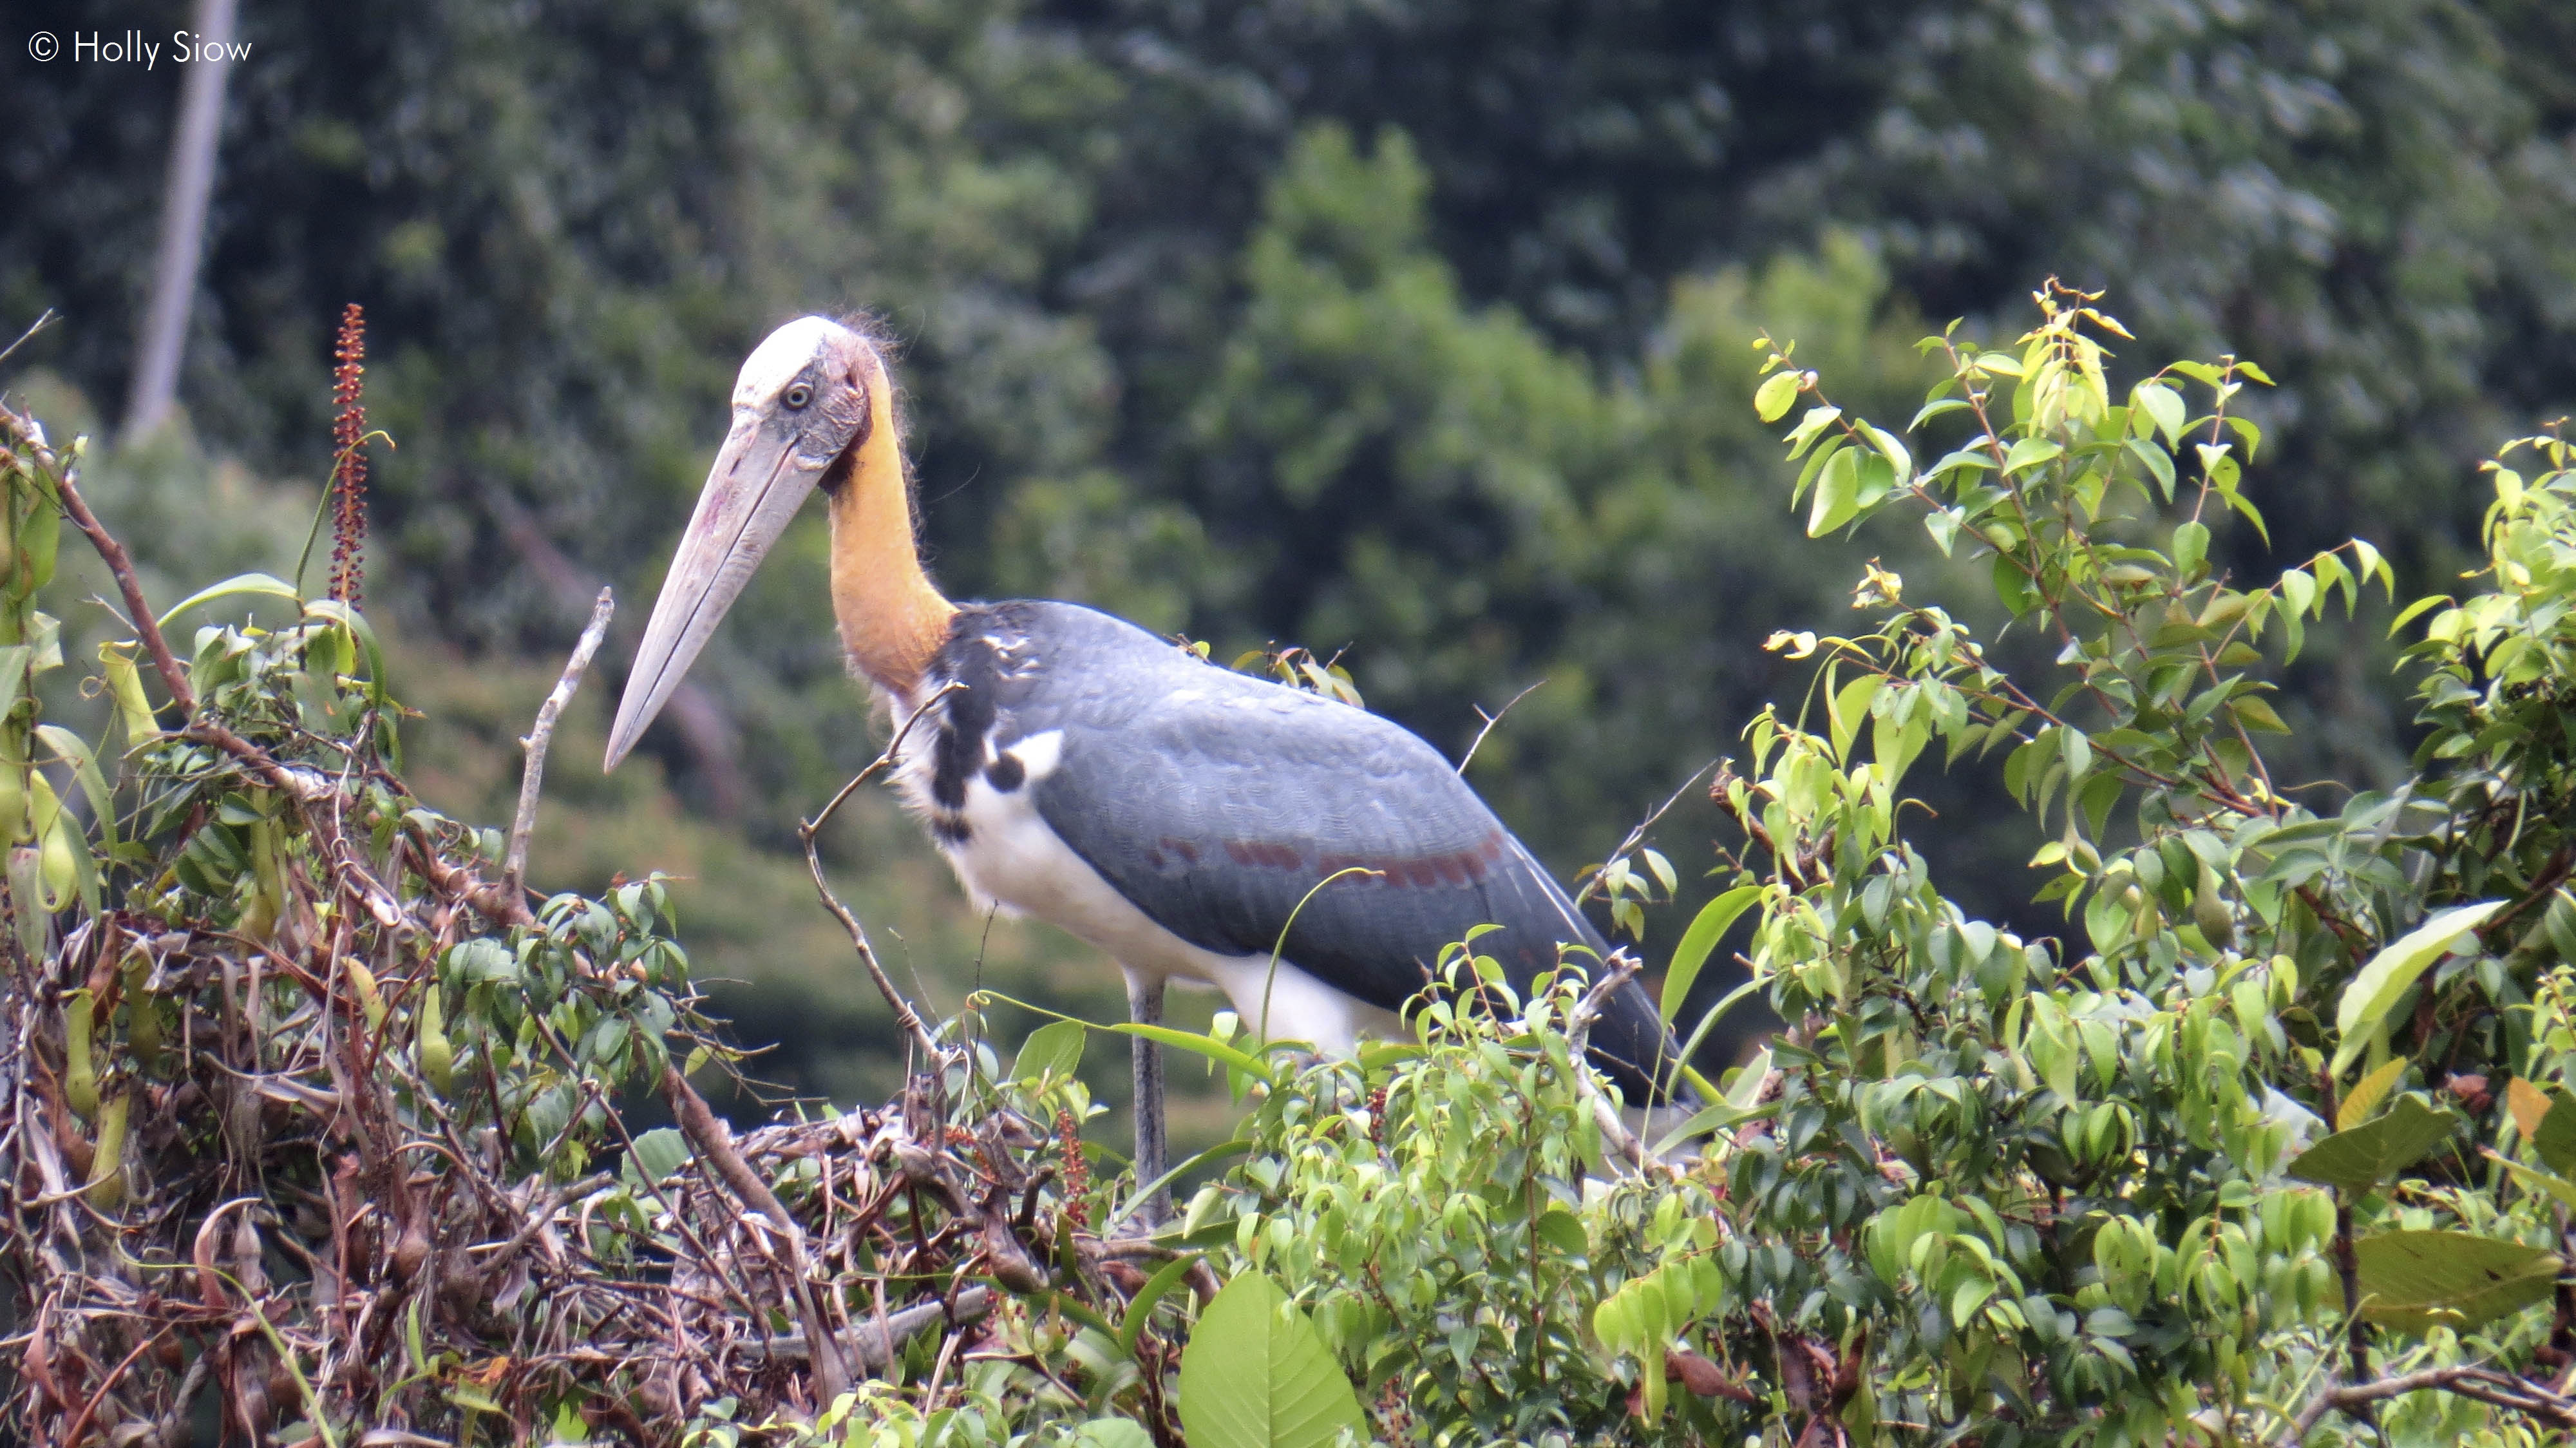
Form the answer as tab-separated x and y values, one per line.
812	408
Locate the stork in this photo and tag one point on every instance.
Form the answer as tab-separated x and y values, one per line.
1178	816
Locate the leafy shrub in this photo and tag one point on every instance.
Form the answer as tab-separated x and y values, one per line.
312	1106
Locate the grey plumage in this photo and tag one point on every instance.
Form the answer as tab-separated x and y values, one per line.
1216	802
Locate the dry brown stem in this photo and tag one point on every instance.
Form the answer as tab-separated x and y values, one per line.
514	865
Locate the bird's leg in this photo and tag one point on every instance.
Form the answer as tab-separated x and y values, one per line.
1145	1008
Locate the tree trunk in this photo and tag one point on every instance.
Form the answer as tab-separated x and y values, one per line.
183	223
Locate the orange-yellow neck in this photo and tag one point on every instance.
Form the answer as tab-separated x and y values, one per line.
892	620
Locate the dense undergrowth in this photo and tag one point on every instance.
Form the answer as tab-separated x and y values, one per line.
315	1126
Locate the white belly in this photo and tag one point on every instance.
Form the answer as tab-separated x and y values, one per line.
1011	859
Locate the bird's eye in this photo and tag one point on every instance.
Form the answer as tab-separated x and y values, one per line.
798	395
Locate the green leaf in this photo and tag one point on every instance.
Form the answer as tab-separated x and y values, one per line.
14	659
1972	457
1145	1191
1706	929
2163	406
2298	590
1892	449
2014	587
26	882
2539	1181
1771	400
2254	712
1256	1375
1848	706
2030	452
1713	1119
2367	1155
2158	463
1052	1050
2414	610
2078	750
659	1154
2365	1097
1562	1230
1817	419
2415	1281
1816	462
2190	547
1140	1309
365	632
73	750
1208	1046
242	583
1837	494
2375	990
1749	1079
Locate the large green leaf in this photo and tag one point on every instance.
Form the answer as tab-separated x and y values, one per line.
2384	981
2415	1281
1052	1050
2367	1155
1837	495
257	584
1701	938
1256	1375
1208	1046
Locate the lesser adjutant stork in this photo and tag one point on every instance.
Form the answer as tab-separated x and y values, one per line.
1076	768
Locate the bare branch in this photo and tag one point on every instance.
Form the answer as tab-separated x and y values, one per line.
2470	1380
809	831
1637	836
874	1340
514	865
1490	721
146	625
43	320
1623	968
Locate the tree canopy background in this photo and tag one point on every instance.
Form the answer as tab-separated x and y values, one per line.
1415	329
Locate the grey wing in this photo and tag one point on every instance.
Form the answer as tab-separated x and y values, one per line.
1244	817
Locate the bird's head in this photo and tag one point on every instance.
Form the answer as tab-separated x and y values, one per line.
811	408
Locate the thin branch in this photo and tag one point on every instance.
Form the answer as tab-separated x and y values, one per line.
1623	968
1637	836
1490	721
541	1212
808	831
43	320
875	1339
514	865
2467	1379
173	678
2348	1271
